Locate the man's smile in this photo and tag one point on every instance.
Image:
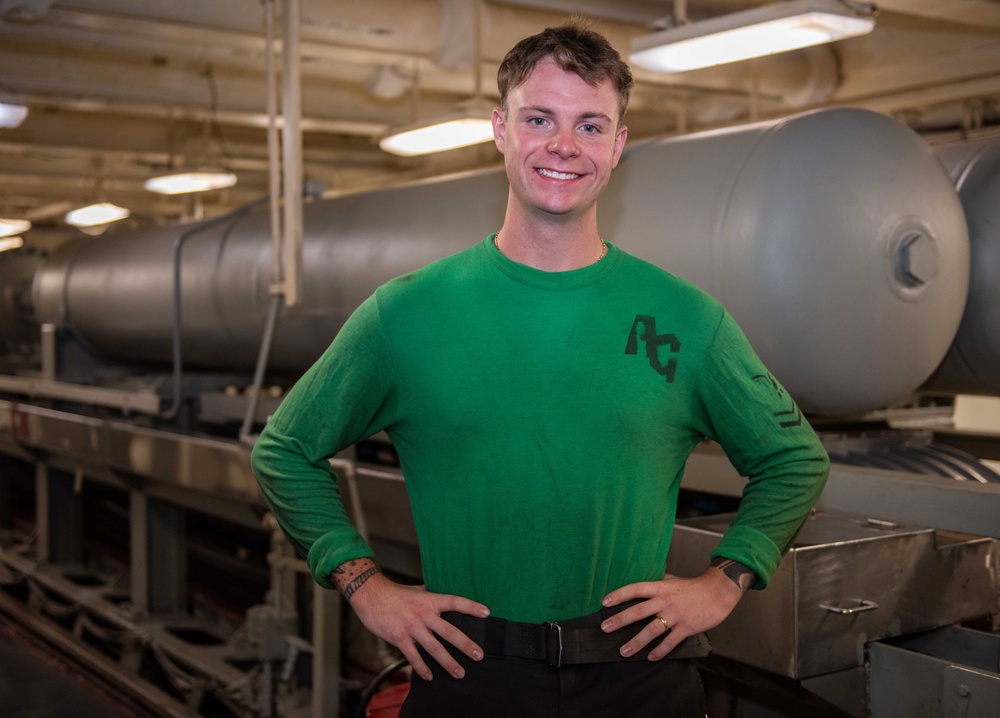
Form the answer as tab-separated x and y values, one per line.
557	175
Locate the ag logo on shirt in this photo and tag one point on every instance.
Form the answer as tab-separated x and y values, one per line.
654	342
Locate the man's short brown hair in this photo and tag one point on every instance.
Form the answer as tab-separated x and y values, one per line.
575	49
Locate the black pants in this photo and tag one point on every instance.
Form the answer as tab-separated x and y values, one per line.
521	688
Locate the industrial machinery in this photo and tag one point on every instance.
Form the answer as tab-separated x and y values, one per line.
136	369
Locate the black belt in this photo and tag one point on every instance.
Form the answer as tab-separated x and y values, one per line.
563	643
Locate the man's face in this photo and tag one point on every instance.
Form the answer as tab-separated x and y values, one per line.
560	139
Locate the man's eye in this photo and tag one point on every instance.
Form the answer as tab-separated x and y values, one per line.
591	128
537	121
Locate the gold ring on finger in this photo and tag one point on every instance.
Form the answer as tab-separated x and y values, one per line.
666	626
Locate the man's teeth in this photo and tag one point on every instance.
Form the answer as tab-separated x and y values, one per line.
558	175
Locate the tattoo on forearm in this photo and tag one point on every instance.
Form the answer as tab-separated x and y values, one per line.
742	576
357	583
351	575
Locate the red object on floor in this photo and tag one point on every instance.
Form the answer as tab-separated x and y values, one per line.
386	704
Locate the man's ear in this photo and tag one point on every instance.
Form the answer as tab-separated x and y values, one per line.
621	134
499	128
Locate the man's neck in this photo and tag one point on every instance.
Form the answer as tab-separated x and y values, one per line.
557	246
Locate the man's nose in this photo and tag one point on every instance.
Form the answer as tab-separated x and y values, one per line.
564	143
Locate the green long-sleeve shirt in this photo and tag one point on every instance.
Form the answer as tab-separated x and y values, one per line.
542	421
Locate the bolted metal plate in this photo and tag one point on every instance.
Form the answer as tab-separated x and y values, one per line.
969	693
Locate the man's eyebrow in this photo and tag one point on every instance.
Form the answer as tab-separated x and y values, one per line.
536	109
595	116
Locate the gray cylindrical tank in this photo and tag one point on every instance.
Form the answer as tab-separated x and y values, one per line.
835	238
804	228
115	292
972	365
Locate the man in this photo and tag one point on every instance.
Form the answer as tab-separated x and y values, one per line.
543	390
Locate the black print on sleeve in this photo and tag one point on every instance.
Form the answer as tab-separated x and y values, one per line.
789	415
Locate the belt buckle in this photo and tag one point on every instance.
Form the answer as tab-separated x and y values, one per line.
553	644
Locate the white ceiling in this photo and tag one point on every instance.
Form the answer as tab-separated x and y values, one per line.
121	89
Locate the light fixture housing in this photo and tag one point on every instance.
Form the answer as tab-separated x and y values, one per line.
193	181
10	227
96	214
766	30
11	243
467	125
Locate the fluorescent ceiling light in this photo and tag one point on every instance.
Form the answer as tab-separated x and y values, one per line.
459	129
95	214
13	226
12	113
761	31
10	243
185	182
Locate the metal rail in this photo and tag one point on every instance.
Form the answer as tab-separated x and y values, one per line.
142	402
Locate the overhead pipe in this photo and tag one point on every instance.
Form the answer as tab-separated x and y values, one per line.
292	156
277	259
337	36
